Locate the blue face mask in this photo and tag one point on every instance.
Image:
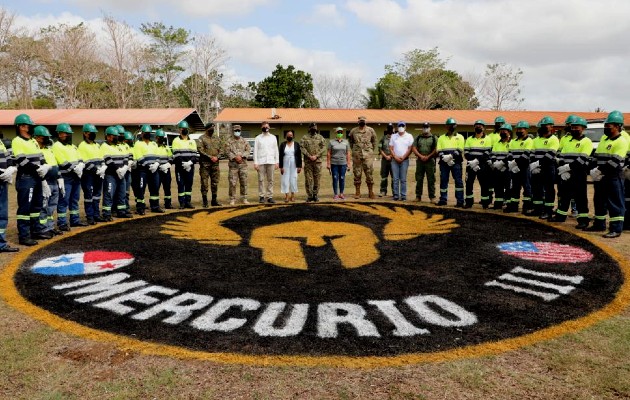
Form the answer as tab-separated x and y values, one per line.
237	133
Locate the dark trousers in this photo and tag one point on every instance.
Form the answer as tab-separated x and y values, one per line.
386	172
139	186
29	200
543	189
68	207
609	199
521	181
502	183
4	213
113	194
482	177
92	186
626	221
184	184
445	172
573	188
46	221
425	169
153	181
165	182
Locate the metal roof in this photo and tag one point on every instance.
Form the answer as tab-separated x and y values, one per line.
106	117
463	117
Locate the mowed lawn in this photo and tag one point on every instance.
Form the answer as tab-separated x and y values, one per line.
37	362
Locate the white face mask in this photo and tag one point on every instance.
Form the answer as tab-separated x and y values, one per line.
426	130
401	129
237	133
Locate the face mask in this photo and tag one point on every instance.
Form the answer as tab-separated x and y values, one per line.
361	123
450	128
265	130
478	130
426	130
575	133
401	129
340	135
237	133
289	138
312	131
210	132
607	131
504	135
47	141
567	129
146	135
185	132
92	136
160	140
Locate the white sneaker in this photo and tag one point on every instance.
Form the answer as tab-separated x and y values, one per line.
245	201
232	202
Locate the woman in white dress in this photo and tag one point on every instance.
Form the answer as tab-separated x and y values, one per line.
290	166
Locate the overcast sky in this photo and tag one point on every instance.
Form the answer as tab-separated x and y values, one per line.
573	53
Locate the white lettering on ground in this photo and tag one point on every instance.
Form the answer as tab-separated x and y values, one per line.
209	321
293	324
180	307
329	317
139	296
422	306
104	286
524	285
403	327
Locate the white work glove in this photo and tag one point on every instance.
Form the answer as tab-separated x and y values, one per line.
596	174
564	168
626	172
165	167
43	170
476	168
498	165
46	192
121	172
447	158
62	187
473	163
132	164
78	169
535	167
187	165
565	176
100	171
153	167
513	167
7	175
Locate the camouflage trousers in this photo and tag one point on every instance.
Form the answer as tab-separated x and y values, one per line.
209	171
360	165
312	175
237	173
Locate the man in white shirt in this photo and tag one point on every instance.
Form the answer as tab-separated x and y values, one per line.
400	146
266	159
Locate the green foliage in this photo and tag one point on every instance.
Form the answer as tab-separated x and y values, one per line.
238	96
166	49
421	81
286	87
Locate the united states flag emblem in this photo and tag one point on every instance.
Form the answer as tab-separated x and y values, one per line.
546	252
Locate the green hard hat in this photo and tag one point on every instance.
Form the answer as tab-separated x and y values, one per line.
146	128
506	127
480	122
450	121
120	128
23	119
63	127
159	133
546	120
41	131
90	128
128	135
522	124
579	121
111	130
183	124
615	117
499	120
570	119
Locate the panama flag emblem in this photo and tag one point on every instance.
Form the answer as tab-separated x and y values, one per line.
91	262
546	252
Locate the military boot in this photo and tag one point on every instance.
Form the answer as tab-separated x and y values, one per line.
370	191
204	199
357	195
214	202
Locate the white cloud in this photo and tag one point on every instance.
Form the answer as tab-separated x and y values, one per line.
193	8
260	52
568	49
325	15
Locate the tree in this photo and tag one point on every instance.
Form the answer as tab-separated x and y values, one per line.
500	88
238	96
23	64
337	91
421	81
286	87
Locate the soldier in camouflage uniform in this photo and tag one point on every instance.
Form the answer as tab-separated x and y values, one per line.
209	149
363	141
314	147
237	151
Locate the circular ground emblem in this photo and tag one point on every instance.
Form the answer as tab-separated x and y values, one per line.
362	284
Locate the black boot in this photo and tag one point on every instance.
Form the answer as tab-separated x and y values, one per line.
214	202
204	199
167	204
